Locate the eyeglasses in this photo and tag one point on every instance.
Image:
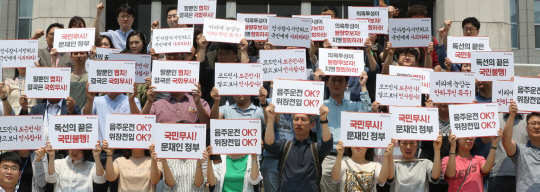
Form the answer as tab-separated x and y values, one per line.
409	56
125	16
534	124
228	54
13	168
469	29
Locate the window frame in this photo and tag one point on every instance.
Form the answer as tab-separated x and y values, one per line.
19	18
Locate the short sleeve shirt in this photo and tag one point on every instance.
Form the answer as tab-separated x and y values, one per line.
169	110
412	176
527	164
474	181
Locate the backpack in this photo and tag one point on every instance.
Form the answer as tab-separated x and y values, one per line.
314	153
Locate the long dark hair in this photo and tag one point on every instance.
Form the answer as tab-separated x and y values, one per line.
127	153
76	19
370	153
87	155
196	32
473	149
141	35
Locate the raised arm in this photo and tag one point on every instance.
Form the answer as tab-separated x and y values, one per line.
155	173
4	96
244	57
371	59
38	34
209	168
436	169
151	98
336	170
507	142
133	107
199	175
89	101
451	165
110	171
326	135
204	117
490	161
50	167
201	46
391	168
214	112
428	62
389	58
447	26
99	167
100	8
269	137
383	175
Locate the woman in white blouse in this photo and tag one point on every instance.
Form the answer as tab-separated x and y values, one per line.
235	173
75	172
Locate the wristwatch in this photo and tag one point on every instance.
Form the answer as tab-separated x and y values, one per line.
264	105
325	121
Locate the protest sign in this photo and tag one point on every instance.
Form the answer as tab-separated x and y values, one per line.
224	30
130	131
503	93
372	130
238	78
175	76
399	90
143	63
289	32
415	123
103	53
410	32
413	72
474	120
235	136
180	141
1	67
194	11
459	48
18	53
74	39
48	82
341	62
318	29
492	65
73	132
21	132
111	76
256	25
297	96
172	40
347	32
283	63
452	87
377	17
527	93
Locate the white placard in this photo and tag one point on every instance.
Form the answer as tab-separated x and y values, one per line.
493	65
180	141
289	32
459	48
341	62
21	132
128	131
503	94
74	39
1	68
318	30
103	53
410	32
347	32
172	40
256	25
474	120
527	93
175	76
73	132
283	63
194	11
298	97
413	72
143	64
452	87
372	130
377	17
19	53
235	136
399	90
224	30
48	82
415	123
111	76
238	78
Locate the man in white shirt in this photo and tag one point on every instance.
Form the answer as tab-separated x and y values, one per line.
10	171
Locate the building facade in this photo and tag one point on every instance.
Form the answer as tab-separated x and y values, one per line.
512	25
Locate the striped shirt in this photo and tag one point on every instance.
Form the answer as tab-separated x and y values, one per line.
74	177
184	174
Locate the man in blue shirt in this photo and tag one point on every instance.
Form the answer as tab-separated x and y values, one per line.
336	104
125	15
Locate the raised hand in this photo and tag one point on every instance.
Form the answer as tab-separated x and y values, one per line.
323	111
151	94
340	148
106	147
97	150
89	96
452	140
317	76
390	149
134	94
243	44
23	101
268	45
40	153
513	108
495	140
202	43
197	93
3	91
38	34
70	102
438	143
389	48
375	106
93	52
363	78
327	44
447	63
429	103
270	111
367	45
100	8
263	93
49	149
154	25
430	48
189	56
215	94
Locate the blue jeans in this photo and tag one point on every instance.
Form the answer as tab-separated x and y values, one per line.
270	173
387	2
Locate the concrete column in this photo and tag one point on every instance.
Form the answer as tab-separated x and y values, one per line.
156	11
305	7
230	8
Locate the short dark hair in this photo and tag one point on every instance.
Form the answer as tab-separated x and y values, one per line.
370	153
312	118
11	157
330	8
74	20
417	10
327	78
170	9
411	51
127	153
184	121
59	25
125	8
141	35
106	37
531	115
471	20
228	47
